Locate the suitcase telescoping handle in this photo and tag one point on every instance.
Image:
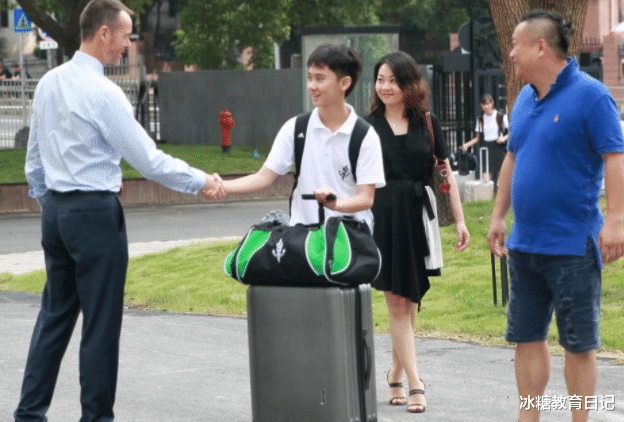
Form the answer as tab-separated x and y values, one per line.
321	210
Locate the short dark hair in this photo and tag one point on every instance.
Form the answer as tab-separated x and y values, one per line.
485	98
98	13
341	59
410	79
558	32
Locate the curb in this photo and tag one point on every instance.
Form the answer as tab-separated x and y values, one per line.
14	197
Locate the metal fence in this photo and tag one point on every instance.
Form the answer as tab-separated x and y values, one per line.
16	103
452	102
15	111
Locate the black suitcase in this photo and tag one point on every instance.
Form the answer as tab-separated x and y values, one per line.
311	354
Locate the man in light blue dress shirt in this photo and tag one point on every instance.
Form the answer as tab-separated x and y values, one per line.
82	126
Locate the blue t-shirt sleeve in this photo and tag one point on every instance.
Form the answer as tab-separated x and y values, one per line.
604	127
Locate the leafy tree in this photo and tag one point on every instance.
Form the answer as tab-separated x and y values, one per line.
212	31
426	25
60	18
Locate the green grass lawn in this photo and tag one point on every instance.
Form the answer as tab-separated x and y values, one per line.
204	157
458	306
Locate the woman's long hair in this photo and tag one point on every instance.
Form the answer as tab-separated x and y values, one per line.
410	80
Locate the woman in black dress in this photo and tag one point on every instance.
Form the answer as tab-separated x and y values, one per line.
399	106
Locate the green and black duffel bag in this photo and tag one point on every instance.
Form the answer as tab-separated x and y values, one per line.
339	252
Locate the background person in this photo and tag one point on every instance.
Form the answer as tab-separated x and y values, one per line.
398	112
17	72
82	125
565	135
4	72
492	131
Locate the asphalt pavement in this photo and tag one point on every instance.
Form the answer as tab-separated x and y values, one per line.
187	367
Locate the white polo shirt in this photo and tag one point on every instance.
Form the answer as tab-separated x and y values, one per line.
325	162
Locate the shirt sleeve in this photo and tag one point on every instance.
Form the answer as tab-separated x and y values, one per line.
281	158
607	135
121	130
505	121
370	170
33	168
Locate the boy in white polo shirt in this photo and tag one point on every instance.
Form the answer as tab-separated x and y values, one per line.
325	169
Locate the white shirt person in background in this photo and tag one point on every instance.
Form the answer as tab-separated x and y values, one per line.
492	132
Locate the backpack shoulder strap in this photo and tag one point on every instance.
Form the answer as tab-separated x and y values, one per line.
481	126
355	143
301	129
499	120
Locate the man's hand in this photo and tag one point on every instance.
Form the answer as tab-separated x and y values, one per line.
611	240
213	189
496	238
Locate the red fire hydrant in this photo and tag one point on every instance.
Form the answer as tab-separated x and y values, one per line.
227	123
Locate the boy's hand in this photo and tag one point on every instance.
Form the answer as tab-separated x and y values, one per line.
326	196
213	189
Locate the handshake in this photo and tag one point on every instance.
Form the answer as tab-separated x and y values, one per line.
213	189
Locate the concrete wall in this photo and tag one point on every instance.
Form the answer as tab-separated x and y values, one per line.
612	68
601	17
260	102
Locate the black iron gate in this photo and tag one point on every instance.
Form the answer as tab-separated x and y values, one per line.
471	70
455	99
452	103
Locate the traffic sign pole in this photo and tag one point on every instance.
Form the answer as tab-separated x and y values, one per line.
22	24
22	75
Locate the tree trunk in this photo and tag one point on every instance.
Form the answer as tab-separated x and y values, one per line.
507	13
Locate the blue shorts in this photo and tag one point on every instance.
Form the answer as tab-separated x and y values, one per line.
570	286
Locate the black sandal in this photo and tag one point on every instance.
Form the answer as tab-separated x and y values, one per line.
398	400
417	407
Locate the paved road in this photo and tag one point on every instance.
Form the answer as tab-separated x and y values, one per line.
192	368
22	232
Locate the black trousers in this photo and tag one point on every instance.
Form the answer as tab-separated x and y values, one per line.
86	255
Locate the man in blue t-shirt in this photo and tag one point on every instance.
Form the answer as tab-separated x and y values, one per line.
565	137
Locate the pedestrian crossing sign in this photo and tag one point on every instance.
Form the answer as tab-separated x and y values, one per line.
21	23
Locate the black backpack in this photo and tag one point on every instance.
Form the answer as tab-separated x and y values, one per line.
355	143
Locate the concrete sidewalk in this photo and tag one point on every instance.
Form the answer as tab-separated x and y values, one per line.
191	368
